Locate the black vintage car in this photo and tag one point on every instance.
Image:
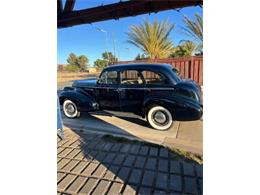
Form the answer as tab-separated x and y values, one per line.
153	91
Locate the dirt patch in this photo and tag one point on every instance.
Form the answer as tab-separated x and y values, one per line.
70	76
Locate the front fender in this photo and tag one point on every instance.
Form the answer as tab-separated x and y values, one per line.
83	100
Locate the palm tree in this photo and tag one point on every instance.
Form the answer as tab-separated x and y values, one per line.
194	29
185	49
153	39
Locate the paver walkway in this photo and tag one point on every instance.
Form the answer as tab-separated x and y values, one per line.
92	164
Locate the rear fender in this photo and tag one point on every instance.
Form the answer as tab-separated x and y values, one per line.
151	101
181	110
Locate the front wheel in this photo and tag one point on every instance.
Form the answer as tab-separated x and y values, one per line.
70	109
159	118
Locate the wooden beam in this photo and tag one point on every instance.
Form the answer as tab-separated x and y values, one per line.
59	7
69	5
118	10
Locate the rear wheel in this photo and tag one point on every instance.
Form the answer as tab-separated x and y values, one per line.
70	109
159	118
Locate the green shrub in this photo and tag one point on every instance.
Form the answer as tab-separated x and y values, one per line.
71	68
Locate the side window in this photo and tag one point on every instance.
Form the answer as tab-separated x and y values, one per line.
151	77
131	77
108	77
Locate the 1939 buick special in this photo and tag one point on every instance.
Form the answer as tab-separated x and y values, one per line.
152	91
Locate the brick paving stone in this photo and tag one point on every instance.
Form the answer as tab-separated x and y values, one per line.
190	185
116	147
58	159
80	156
90	156
153	151
111	172
188	169
88	186
101	188
161	180
100	171
62	163
148	178
119	159
100	146
175	167
107	146
68	143
135	176
90	168
140	161
125	148
60	176
63	184
109	157
123	174
73	153
76	144
115	188
175	183
129	190
129	161
76	184
143	150
100	156
70	165
145	191
65	152
163	165
175	193
159	192
199	170
79	167
163	152
151	163
135	149
59	150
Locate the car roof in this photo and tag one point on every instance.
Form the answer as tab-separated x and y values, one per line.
138	66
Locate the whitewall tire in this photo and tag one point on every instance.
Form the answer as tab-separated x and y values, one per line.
70	109
159	118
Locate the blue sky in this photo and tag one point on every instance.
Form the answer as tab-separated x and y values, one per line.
87	40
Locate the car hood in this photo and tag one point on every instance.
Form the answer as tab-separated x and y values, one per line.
85	83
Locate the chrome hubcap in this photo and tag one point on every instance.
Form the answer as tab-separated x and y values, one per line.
160	117
70	108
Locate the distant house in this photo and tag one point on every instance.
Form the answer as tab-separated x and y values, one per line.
91	70
60	67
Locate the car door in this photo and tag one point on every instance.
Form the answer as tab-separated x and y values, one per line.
155	84
131	91
106	91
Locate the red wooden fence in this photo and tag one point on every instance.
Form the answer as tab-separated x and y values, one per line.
189	67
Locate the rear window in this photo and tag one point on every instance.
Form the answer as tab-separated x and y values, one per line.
151	77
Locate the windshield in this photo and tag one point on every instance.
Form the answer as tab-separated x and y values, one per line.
177	74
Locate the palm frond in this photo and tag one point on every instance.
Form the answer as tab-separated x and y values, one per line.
152	38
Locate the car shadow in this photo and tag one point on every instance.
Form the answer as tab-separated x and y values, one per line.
124	116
